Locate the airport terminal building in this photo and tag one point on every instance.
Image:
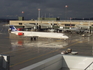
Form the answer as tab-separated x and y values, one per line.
60	23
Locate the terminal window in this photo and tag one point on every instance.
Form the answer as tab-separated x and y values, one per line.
20	23
69	24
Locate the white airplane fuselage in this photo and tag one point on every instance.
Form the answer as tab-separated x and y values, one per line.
41	34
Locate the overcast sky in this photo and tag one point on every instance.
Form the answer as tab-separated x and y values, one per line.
48	8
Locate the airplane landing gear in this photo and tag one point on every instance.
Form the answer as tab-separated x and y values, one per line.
33	38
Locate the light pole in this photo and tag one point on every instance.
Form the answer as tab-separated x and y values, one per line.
22	13
70	22
66	6
38	14
22	17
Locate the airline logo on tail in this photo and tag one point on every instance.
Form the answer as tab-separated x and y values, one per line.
12	28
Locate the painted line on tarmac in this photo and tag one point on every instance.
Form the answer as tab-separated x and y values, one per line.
42	55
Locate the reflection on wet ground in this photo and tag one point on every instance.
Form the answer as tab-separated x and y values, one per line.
44	43
24	52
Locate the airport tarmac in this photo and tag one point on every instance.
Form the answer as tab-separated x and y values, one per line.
24	52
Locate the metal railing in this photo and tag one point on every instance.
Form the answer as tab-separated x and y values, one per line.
89	67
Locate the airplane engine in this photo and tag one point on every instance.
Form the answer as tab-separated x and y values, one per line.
20	34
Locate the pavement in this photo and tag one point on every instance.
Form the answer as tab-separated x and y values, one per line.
24	52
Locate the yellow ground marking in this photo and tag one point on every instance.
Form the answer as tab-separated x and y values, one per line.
80	41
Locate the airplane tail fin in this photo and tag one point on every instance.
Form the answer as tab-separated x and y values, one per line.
12	28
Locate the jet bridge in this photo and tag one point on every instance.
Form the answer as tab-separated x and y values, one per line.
63	62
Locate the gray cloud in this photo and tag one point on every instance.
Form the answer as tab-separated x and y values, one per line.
52	8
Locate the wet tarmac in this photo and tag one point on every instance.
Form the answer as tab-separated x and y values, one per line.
24	52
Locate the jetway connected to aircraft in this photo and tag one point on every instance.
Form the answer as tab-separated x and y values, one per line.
63	62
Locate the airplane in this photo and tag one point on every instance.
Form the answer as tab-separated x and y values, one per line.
37	34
